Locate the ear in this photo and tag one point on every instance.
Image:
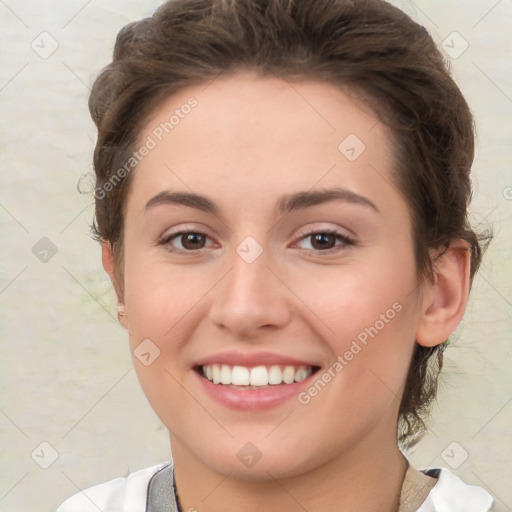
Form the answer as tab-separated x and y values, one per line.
109	264
445	299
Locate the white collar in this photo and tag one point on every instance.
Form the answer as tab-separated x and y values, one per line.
451	494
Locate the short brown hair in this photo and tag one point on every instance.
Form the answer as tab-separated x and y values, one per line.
366	47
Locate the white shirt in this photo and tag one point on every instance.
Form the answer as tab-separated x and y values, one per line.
130	494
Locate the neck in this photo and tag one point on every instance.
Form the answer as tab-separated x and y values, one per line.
368	479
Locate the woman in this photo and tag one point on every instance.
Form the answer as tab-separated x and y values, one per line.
282	192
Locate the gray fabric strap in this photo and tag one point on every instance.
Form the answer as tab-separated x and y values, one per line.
415	489
161	496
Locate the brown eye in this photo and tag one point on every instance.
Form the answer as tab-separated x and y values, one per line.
323	240
185	241
327	241
192	240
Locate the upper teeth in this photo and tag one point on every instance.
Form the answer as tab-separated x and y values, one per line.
255	376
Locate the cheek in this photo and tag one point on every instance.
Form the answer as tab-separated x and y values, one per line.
158	295
368	314
352	297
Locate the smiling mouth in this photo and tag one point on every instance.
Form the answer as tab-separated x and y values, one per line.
256	377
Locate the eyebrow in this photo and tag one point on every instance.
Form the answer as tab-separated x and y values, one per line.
287	203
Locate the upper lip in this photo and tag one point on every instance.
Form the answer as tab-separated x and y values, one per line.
233	358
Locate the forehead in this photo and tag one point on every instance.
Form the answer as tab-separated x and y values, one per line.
246	133
267	104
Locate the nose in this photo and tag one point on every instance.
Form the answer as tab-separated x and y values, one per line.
251	299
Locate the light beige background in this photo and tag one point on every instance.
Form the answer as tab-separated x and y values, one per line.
66	373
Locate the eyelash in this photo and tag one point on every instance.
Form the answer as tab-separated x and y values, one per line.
346	241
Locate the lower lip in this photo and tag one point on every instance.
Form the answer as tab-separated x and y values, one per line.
252	399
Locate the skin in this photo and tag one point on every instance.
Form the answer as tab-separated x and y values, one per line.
249	141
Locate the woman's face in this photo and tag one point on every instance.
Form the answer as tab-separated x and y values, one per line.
265	239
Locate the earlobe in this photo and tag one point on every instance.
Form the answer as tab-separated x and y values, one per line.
107	258
109	264
121	315
445	298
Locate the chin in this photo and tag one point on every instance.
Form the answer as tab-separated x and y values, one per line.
260	460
